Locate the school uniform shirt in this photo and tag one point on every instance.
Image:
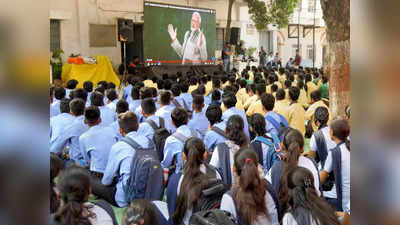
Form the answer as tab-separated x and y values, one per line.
189	212
119	162
311	111
113	105
127	92
188	99
238	105
212	139
115	127
174	147
208	87
95	144
345	176
70	137
310	88
200	123
68	92
234	111
207	100
55	108
256	107
330	144
303	98
233	148
145	128
165	113
324	89
107	115
288	219
282	107
192	88
250	101
228	204
139	114
179	99
242	95
88	102
305	163
149	84
296	117
58	124
134	104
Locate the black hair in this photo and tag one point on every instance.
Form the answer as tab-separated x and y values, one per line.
176	90
325	79
110	85
280	94
100	88
308	78
251	87
294	93
234	130
153	91
56	165
198	102
97	99
214	114
315	95
293	143
184	87
321	115
111	94
249	193
194	180
340	129
160	84
92	114
128	122
288	83
268	101
260	89
165	97
303	199
274	88
74	185
140	212
229	99
88	86
179	116
71	84
216	95
242	83
148	106
80	93
135	93
77	106
167	84
202	89
59	93
122	106
64	105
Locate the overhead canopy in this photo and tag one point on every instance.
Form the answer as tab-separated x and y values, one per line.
103	70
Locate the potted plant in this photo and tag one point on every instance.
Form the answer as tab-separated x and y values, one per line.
56	63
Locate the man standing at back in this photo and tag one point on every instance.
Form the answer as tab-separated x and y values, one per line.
297	59
226	57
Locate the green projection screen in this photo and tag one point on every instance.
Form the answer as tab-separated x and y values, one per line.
178	34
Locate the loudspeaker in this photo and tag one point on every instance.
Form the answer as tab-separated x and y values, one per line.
235	33
125	30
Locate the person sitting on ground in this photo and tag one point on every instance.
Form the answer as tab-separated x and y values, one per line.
274	121
324	88
122	106
177	100
281	103
296	111
216	132
144	93
59	94
95	143
216	98
148	110
316	102
249	200
143	212
199	121
107	115
74	189
71	85
257	106
252	97
165	110
119	162
229	100
135	99
88	86
185	95
59	122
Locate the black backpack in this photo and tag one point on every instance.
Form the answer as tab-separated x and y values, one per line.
160	135
146	180
212	217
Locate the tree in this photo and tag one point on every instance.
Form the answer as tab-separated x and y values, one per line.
336	14
264	13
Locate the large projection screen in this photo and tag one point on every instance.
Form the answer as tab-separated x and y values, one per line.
194	29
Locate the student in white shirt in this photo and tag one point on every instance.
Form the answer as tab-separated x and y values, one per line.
306	207
249	200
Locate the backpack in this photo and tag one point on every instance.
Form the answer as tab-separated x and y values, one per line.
160	135
212	217
271	191
274	152
278	125
322	151
337	172
146	180
225	163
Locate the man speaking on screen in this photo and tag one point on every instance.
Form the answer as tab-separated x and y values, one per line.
194	48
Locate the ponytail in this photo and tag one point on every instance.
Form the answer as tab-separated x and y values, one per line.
304	200
257	122
193	181
249	192
293	142
234	131
74	188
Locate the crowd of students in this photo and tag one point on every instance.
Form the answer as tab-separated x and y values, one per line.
239	136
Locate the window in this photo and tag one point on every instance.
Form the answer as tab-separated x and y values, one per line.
55	34
310	52
311	5
220	33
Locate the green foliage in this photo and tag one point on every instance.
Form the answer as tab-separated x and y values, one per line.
56	63
271	12
250	51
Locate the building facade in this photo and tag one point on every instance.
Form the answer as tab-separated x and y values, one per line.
73	22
